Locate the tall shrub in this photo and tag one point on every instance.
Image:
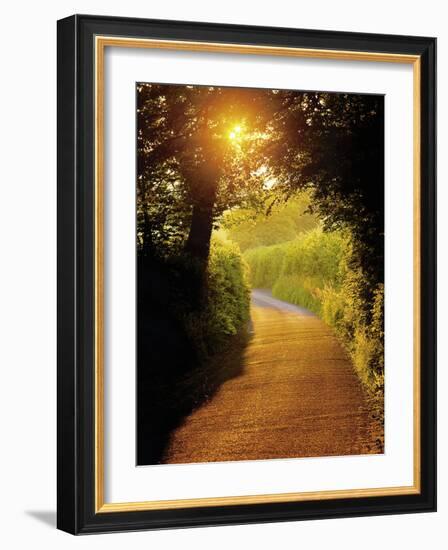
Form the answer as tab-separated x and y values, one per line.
226	299
316	271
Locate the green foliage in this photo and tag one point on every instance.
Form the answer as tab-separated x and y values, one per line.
281	222
328	144
326	147
186	316
360	326
333	145
297	271
371	339
316	271
265	265
186	161
303	291
225	301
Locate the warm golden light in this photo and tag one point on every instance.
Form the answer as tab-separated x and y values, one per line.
236	132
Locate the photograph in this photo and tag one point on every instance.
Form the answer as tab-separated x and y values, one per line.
259	273
221	250
246	274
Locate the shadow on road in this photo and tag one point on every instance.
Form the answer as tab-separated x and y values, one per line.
172	381
166	400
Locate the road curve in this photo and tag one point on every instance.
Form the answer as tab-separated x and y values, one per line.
297	396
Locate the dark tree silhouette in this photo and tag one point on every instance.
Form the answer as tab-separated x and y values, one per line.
189	171
333	144
193	166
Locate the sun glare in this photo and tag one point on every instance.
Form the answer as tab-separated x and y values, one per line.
235	132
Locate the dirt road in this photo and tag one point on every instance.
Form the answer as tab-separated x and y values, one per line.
297	396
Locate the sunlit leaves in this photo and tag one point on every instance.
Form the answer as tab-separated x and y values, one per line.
247	148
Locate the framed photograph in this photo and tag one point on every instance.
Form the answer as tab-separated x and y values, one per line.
246	274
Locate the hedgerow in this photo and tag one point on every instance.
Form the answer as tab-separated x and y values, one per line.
316	271
225	302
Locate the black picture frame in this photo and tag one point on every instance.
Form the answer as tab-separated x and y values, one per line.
76	511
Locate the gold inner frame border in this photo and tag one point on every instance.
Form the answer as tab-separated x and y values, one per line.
101	42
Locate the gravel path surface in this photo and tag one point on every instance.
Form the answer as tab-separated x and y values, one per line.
297	396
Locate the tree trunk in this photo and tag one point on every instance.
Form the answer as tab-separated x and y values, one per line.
198	241
148	246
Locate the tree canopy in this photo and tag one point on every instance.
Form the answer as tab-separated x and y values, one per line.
204	150
195	160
